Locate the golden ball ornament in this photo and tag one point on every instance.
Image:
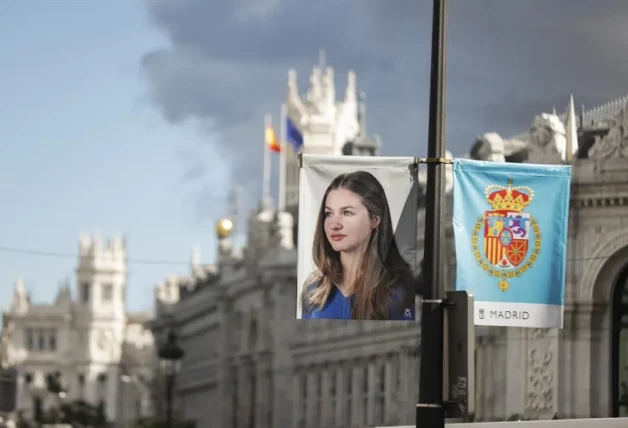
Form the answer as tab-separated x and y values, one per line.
224	227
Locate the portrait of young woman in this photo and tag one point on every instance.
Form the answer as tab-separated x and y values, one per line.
359	272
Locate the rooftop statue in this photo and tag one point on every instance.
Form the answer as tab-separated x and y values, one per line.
545	142
615	143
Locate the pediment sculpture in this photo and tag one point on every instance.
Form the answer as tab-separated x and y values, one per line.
615	143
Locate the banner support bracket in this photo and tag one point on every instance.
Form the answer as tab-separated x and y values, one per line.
436	161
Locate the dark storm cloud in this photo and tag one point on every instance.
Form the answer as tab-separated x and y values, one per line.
508	60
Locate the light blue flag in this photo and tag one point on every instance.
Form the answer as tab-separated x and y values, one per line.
510	225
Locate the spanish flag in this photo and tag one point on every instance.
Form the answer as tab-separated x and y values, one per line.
271	139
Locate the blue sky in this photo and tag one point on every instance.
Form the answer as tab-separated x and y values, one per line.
81	148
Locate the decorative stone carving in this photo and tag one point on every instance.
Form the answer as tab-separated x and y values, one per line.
608	245
541	375
294	99
548	139
545	142
615	143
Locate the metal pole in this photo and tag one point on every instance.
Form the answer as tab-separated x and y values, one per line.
169	398
430	412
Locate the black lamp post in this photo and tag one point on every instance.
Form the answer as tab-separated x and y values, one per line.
430	410
170	355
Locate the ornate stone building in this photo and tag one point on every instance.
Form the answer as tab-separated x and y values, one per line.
248	361
258	366
87	344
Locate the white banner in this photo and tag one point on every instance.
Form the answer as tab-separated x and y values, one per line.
357	237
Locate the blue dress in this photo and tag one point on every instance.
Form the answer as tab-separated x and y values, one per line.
339	307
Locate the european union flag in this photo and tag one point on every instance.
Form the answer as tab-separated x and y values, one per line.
510	226
293	135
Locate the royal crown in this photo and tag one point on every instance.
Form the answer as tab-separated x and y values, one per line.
509	198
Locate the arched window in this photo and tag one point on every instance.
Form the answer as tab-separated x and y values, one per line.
253	336
619	340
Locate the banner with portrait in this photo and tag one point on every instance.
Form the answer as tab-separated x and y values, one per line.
357	237
510	224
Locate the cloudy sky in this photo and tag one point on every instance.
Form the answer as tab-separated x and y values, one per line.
136	116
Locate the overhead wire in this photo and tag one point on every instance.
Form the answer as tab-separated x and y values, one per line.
57	254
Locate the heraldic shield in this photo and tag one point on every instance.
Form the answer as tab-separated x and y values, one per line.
510	237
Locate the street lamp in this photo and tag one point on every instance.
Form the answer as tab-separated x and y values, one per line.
430	410
170	355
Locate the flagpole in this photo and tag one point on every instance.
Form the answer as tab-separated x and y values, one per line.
282	157
266	188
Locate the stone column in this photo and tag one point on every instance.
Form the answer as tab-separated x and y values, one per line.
326	410
245	377
223	373
263	397
408	385
590	360
489	376
390	389
599	333
479	378
372	385
311	402
516	374
356	389
297	404
343	404
566	358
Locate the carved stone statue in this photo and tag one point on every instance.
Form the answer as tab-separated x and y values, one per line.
615	143
545	142
548	139
492	147
315	91
329	90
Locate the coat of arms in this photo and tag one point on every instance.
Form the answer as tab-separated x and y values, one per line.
506	241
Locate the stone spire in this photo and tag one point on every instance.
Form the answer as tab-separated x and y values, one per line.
20	297
571	147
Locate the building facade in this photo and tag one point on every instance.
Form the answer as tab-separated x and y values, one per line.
582	369
87	343
260	367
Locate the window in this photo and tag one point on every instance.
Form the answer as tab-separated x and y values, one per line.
52	340
28	378
38	409
29	339
102	385
107	293
81	386
41	340
85	286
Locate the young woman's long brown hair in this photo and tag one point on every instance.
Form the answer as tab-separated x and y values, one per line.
383	268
